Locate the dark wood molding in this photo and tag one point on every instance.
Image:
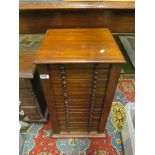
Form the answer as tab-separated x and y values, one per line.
39	21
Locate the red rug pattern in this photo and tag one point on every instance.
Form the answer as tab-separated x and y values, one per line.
40	142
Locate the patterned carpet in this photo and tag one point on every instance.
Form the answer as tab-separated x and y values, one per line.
39	141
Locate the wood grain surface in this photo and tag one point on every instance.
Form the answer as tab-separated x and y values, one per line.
39	21
78	45
26	66
78	5
83	66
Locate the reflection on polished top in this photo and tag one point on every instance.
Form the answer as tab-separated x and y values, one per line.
78	45
76	4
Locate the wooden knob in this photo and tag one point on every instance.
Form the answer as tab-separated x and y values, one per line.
63	77
94	90
64	86
93	95
92	102
94	82
65	94
95	71
92	105
91	114
94	86
90	122
62	72
64	82
92	98
95	77
91	110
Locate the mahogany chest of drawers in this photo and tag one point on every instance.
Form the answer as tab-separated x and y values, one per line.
79	70
32	102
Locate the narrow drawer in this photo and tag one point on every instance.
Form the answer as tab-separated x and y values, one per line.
80	110
81	81
76	119
77	114
79	87
79	94
79	103
80	100
80	74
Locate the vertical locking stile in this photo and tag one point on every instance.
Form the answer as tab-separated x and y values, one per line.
93	96
64	88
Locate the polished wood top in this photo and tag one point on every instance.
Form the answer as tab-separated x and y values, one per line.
76	5
78	46
26	66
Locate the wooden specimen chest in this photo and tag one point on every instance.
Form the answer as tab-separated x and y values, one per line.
79	70
32	102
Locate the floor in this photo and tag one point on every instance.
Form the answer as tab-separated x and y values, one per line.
39	141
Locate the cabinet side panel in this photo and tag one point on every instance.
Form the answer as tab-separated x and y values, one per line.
39	94
112	84
50	100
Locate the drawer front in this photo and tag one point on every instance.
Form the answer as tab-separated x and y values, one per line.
79	91
79	75
85	87
78	113
29	113
79	94
79	119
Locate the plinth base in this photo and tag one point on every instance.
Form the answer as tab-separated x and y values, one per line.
79	135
